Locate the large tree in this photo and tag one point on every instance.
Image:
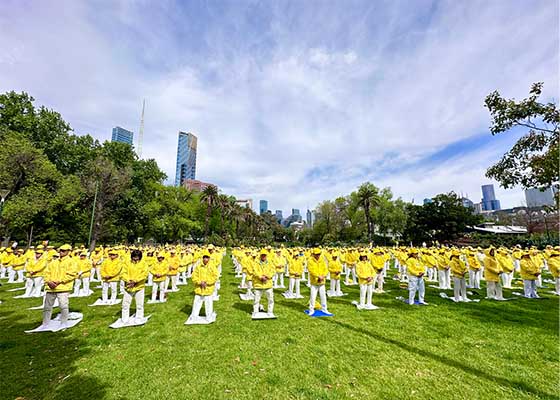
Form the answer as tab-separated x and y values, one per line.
533	160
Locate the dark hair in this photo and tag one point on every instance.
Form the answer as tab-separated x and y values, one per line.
136	254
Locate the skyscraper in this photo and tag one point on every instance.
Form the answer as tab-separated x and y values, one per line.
278	215
539	197
263	207
310	218
186	158
489	202
295	211
122	135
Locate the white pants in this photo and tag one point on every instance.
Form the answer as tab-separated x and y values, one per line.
460	289
20	275
278	279
474	278
366	291
507	279
197	305
50	297
269	296
444	276
161	287
415	283
379	282
530	288
557	285
37	286
335	286
243	279
351	271
494	290
2	272
294	284
127	301
105	291
11	275
322	297
28	287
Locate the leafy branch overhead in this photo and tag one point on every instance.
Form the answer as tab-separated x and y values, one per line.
534	160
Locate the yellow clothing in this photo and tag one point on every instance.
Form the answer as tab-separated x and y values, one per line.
204	273
377	262
263	268
415	267
280	263
84	267
296	267
111	269
335	268
529	270
135	272
492	268
18	262
159	268
474	264
317	268
554	266
64	271
36	267
173	265
364	270
458	267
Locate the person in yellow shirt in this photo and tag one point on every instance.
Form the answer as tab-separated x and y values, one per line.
34	271
263	274
430	263
204	278
507	266
110	274
335	270
529	273
96	261
492	272
59	278
134	275
416	271
554	267
351	259
295	270
280	266
459	270
83	278
366	278
159	271
173	263
318	271
18	266
377	261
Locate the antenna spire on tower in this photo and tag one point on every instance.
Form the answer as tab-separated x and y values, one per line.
141	131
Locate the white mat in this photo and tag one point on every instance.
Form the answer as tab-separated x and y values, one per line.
334	294
54	325
100	302
43	305
82	294
368	307
156	301
246	297
263	315
132	321
16	289
445	296
201	320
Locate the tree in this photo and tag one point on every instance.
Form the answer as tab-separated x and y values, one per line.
368	195
210	197
533	160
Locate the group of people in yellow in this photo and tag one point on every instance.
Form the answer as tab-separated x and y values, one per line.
60	273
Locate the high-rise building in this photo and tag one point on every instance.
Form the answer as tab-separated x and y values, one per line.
295	211
186	158
427	201
539	197
467	203
489	202
122	135
263	207
310	218
278	215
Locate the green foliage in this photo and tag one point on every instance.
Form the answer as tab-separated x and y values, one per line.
533	160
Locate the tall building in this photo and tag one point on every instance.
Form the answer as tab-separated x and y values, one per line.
295	211
467	203
539	197
310	218
263	207
428	201
186	158
122	135
278	215
489	202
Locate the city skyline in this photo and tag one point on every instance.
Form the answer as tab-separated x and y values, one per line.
296	115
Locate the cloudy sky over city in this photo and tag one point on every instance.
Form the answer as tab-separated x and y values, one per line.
292	101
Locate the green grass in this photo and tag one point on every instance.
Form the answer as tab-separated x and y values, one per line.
486	350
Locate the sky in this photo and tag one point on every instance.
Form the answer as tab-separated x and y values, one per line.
294	102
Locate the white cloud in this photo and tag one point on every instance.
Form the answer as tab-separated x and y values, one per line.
338	90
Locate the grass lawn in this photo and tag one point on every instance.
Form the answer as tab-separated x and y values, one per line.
486	350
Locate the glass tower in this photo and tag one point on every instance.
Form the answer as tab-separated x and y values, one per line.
186	158
122	135
263	206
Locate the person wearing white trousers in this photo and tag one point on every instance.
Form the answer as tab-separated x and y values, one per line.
459	269
318	271
416	273
263	274
134	275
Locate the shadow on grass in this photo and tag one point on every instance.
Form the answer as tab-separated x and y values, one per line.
448	361
246	307
43	365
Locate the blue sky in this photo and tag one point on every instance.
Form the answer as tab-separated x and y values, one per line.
292	101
